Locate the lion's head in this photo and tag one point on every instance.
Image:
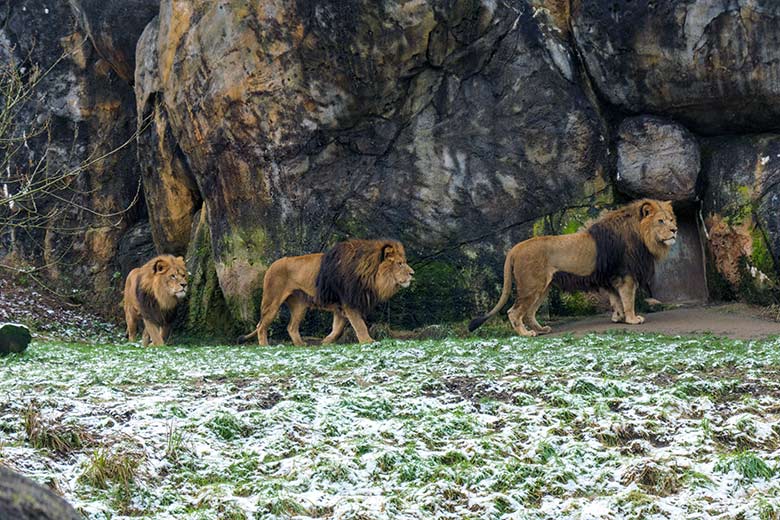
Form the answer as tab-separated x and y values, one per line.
362	273
393	272
166	278
657	226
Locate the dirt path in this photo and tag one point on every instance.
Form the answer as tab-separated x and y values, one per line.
733	321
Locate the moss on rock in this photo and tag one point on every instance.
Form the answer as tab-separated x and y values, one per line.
207	313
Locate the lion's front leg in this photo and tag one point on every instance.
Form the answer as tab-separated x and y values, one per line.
357	322
155	333
626	288
339	322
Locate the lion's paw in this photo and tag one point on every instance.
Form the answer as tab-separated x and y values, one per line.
618	317
636	320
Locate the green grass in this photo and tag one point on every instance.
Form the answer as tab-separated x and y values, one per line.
440	428
748	465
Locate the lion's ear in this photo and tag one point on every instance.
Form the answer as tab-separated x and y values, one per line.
180	258
160	265
388	252
646	210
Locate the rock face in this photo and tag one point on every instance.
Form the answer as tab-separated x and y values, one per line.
742	207
171	193
13	338
304	123
657	158
713	65
114	29
459	127
23	499
88	116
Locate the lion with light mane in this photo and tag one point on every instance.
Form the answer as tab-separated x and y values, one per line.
616	253
349	280
152	292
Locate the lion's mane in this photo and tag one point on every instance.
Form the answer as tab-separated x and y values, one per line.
155	301
623	248
354	273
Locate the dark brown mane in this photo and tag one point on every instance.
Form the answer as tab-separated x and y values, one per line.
150	309
348	274
620	251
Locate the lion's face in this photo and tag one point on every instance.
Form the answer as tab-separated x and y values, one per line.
659	224
395	267
171	274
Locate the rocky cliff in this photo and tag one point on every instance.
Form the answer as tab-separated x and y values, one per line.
457	126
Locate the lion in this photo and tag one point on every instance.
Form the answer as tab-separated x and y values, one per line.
152	292
616	253
349	280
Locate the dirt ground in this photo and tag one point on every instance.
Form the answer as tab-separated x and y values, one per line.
730	320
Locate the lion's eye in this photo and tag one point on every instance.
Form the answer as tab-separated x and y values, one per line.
660	221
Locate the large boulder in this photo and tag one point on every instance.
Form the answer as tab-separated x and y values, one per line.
453	128
23	499
742	210
657	158
14	338
713	65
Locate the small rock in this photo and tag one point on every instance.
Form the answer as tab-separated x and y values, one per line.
14	338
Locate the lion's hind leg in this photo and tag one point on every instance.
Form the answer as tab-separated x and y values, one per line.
516	314
531	315
531	289
298	308
269	309
618	314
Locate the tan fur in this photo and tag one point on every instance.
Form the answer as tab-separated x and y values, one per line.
533	262
164	280
293	280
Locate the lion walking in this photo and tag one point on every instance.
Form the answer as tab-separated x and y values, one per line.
349	280
616	253
152	292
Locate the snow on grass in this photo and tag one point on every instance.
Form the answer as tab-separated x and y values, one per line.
605	426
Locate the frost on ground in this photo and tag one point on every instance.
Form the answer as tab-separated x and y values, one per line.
608	426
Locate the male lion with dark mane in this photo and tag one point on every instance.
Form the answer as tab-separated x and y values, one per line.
152	292
616	253
348	280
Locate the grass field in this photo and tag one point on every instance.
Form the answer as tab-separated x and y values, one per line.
605	426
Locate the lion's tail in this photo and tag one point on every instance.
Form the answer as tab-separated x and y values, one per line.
246	337
477	322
